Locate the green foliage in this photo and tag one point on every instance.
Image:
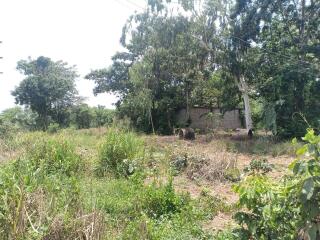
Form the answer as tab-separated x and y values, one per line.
54	156
232	174
103	116
83	116
286	64
161	66
209	206
37	189
23	119
179	226
48	89
7	130
140	210
259	166
53	128
287	208
120	153
163	201
178	162
210	53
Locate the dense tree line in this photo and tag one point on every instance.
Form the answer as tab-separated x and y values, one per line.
260	55
77	116
51	100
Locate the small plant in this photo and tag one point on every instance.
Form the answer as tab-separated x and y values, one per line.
120	153
209	206
232	174
179	162
162	200
259	166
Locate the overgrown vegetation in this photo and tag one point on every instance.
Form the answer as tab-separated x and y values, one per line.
257	55
288	209
51	190
121	153
115	184
91	173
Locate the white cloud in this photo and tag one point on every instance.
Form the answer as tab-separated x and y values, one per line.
81	32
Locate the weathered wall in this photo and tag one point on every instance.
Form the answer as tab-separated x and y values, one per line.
201	120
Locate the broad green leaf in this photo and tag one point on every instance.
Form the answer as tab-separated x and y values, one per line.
302	150
307	189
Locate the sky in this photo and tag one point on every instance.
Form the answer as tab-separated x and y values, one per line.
84	33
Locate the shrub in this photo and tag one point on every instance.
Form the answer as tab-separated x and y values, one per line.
53	128
178	162
162	200
259	166
54	156
120	153
288	209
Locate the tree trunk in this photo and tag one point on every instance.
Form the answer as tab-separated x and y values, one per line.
151	120
301	77
247	109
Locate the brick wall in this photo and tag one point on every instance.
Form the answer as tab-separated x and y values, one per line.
201	120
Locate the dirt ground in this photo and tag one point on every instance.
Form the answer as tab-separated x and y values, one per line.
215	149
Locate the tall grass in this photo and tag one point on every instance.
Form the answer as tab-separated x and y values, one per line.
39	189
47	193
120	153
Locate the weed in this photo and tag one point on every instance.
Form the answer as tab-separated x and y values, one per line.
54	156
120	153
259	166
37	188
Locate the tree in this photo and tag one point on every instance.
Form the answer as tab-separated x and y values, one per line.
48	89
103	116
287	35
161	66
83	116
22	118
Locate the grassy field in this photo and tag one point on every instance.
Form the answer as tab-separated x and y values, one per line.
113	184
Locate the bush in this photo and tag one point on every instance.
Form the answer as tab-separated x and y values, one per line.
54	156
53	128
288	209
162	200
120	153
259	166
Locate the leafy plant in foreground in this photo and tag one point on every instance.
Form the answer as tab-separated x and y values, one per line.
289	208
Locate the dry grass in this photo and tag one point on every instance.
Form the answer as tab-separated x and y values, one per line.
211	167
84	227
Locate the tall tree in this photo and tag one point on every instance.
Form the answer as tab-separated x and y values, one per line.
287	34
165	60
48	89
